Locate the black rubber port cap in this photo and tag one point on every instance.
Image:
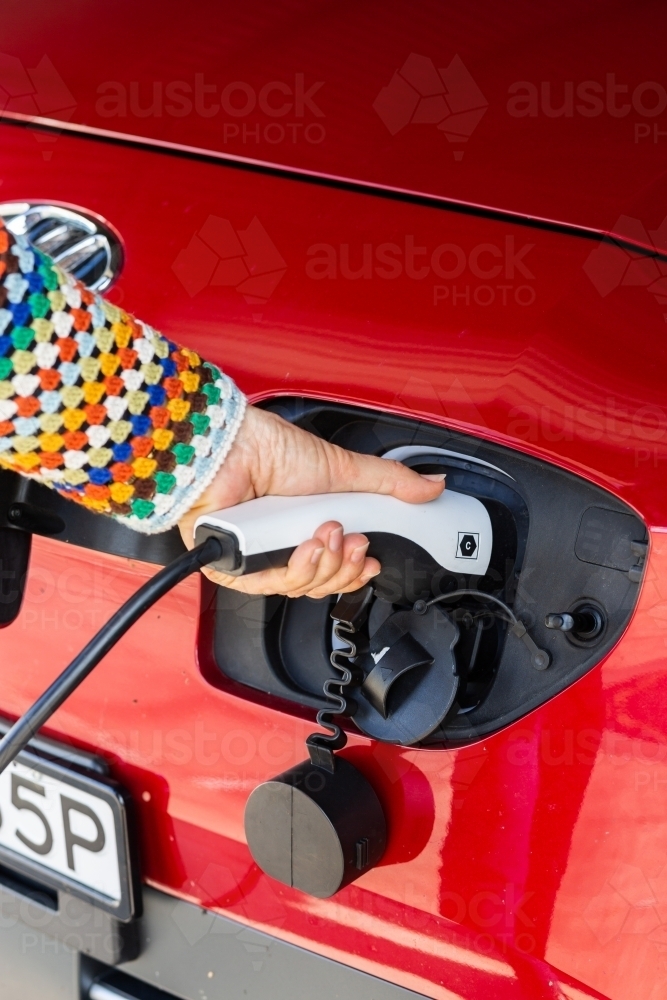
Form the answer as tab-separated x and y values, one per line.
315	830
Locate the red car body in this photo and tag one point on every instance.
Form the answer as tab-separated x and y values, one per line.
532	863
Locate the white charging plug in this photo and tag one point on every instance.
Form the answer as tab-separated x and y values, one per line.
455	529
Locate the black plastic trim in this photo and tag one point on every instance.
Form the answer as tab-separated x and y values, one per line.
85	528
543	503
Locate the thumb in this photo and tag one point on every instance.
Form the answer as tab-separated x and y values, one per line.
369	474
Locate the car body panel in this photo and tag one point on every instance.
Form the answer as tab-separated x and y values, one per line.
536	850
490	869
556	111
513	337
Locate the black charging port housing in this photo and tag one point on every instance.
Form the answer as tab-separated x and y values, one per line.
558	540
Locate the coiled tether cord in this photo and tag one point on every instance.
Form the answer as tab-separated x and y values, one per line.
25	728
343	631
348	614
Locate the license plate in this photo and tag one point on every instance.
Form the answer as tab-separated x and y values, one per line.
67	831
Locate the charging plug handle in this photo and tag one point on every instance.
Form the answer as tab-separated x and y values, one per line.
455	528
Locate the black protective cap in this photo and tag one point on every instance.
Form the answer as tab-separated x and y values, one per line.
314	829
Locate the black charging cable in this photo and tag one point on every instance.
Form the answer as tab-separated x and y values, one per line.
539	658
25	728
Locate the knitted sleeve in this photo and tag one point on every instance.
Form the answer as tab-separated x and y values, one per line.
100	406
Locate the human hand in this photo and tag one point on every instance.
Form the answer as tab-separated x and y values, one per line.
270	456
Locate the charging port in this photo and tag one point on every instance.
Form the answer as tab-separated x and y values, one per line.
584	623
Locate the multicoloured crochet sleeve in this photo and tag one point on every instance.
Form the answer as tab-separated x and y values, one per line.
99	405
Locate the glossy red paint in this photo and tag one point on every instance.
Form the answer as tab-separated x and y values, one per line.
562	106
542	847
504	327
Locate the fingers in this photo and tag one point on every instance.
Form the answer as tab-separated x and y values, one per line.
328	563
288	581
290	461
347	567
369	474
